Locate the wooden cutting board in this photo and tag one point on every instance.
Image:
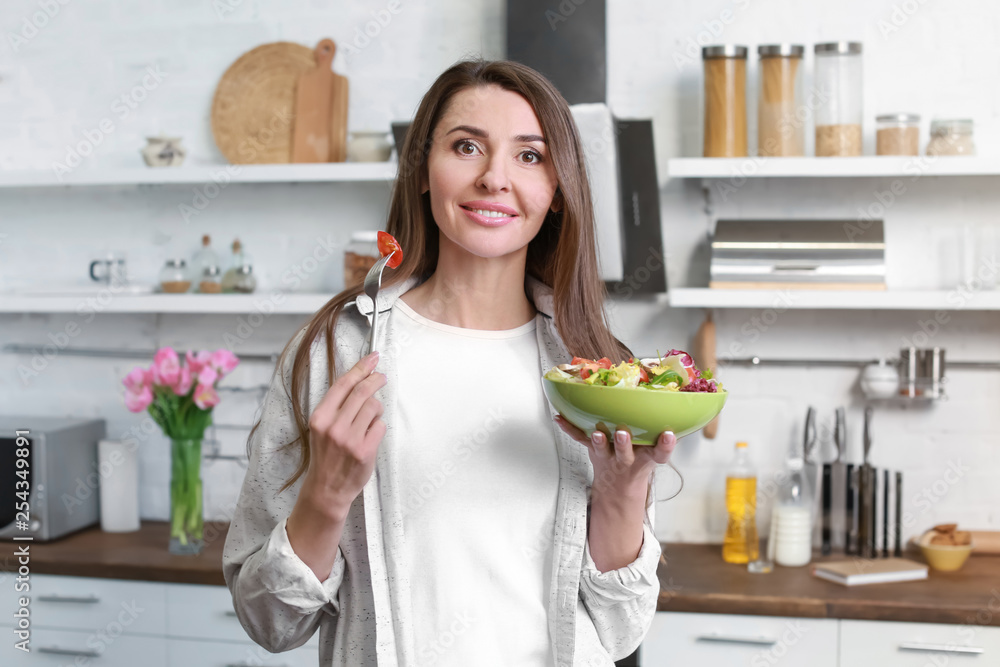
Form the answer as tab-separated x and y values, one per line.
320	130
253	106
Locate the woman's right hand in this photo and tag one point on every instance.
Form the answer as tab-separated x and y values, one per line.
345	431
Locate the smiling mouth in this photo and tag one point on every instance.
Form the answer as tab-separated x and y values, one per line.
489	214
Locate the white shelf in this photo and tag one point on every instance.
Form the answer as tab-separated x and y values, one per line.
347	172
219	304
703	297
832	167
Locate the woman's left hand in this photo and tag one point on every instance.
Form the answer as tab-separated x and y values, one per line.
621	465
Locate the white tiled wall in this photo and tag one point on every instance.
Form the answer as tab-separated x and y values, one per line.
58	82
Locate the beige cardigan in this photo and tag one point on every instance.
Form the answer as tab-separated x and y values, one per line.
361	610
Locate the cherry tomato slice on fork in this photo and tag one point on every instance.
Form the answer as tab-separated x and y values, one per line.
388	244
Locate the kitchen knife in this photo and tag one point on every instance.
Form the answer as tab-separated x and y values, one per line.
850	511
899	515
885	514
827	507
866	532
873	535
865	512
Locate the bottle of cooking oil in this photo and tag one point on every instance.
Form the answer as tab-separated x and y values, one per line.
740	544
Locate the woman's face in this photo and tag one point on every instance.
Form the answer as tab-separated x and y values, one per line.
488	154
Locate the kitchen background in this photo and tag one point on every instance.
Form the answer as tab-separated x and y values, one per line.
59	77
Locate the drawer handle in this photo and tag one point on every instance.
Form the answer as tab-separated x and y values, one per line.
941	648
722	639
231	612
69	651
84	599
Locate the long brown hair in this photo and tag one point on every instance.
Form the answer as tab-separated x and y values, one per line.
562	255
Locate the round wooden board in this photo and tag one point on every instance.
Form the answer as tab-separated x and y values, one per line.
254	104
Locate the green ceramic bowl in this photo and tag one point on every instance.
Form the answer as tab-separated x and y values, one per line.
645	413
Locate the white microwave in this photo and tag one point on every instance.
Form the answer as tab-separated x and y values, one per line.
48	476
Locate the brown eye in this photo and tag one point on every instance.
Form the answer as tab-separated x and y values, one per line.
535	157
463	144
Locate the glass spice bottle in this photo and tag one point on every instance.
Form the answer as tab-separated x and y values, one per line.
205	257
239	277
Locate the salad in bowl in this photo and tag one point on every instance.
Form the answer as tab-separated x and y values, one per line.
643	396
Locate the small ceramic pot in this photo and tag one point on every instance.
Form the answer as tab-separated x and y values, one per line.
163	152
369	147
880	380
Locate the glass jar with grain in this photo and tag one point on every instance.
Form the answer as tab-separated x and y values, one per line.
725	100
897	134
211	280
780	123
951	137
838	93
359	256
174	277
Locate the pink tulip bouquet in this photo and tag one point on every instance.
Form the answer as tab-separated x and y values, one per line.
180	399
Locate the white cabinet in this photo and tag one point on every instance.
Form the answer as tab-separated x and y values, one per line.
722	640
888	644
194	653
63	648
97	622
202	612
95	605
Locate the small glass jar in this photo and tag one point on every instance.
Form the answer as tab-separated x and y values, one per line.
780	131
174	276
897	134
211	280
951	137
838	90
359	256
725	100
239	280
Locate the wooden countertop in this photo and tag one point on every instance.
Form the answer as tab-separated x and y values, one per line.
696	579
693	579
141	555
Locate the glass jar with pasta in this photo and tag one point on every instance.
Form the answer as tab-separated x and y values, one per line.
725	99
780	114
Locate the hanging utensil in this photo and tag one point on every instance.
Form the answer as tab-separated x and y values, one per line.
705	356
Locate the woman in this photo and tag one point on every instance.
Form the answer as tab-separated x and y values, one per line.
478	539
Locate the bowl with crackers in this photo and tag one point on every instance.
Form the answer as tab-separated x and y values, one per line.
945	548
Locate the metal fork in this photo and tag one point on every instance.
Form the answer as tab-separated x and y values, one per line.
373	281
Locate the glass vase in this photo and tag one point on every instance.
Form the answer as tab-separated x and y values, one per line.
186	517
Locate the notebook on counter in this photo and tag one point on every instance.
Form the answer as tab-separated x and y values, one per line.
860	571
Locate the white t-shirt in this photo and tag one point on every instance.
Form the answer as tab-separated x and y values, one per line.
481	475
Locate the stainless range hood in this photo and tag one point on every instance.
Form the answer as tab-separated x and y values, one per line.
566	42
